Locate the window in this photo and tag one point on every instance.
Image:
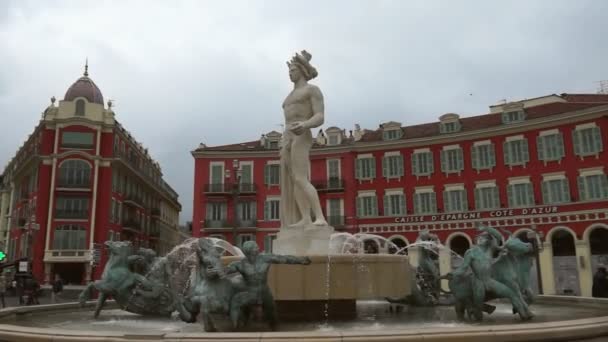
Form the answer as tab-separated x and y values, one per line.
247	213
69	237
483	156
74	174
334	212
367	206
333	139
455	200
392	134
272	174
216	214
268	242
392	166
550	147
555	191
80	107
394	204
516	152
242	238
365	168
486	197
422	163
513	116
333	174
449	127
425	203
520	195
217	177
271	209
272	144
246	180
72	208
587	141
77	140
593	187
451	160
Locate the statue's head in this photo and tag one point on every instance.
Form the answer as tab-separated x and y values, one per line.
147	253
517	247
119	248
299	67
251	249
484	239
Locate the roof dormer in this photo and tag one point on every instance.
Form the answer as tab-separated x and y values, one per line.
513	112
449	123
334	136
271	141
391	130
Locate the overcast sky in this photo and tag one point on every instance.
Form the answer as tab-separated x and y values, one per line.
185	72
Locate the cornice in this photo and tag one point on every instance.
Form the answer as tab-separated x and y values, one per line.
453	138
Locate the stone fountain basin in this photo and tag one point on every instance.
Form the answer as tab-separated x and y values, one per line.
332	284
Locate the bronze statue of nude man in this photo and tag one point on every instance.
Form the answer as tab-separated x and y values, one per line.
304	110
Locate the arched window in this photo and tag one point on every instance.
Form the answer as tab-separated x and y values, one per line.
80	107
74	173
69	236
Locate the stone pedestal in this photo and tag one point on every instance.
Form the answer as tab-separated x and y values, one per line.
306	241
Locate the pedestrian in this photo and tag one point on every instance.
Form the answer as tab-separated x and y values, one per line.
57	288
2	289
19	290
600	283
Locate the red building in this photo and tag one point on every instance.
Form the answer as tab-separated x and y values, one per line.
81	179
535	167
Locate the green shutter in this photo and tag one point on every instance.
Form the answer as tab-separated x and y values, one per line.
266	174
359	206
492	155
475	156
387	207
416	203
565	190
540	148
460	159
433	202
443	161
429	162
477	198
400	171
525	152
560	145
582	193
415	164
385	167
372	167
402	209
465	200
505	117
545	190
358	168
375	206
266	211
447	204
604	181
597	140
506	148
496	198
510	195
576	140
530	189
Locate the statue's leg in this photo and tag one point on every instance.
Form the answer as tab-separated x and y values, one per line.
479	296
306	195
237	303
100	301
269	309
503	291
85	295
187	310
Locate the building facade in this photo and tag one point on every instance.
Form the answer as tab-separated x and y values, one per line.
79	180
535	167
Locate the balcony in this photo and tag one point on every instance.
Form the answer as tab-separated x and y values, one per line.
71	214
246	223
67	255
134	200
216	224
66	183
329	185
247	188
336	221
155	212
217	188
132	225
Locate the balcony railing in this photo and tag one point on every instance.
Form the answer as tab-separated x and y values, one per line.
246	223
134	200
247	188
332	184
132	225
336	221
70	184
71	214
216	224
228	188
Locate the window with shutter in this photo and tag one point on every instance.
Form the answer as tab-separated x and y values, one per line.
425	203
272	174
367	206
452	160
550	147
392	166
422	163
520	195
516	152
271	210
454	200
587	141
366	168
593	187
555	191
394	205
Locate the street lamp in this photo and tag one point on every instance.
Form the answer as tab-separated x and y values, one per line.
236	189
535	238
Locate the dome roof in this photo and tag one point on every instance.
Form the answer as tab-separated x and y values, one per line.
84	87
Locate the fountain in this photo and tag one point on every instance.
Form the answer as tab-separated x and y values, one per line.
321	285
